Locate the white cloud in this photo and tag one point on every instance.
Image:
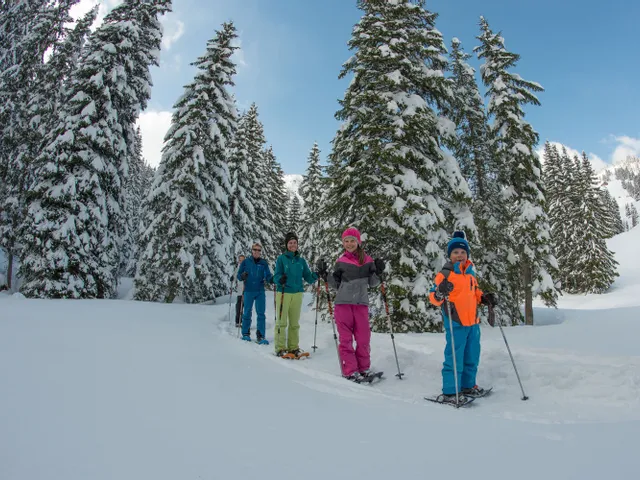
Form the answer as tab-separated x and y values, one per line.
238	55
173	30
628	147
83	6
153	126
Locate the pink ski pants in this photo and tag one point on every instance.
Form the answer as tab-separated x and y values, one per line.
353	323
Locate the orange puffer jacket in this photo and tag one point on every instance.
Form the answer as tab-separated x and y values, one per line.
465	296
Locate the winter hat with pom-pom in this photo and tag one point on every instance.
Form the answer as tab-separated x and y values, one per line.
352	232
459	240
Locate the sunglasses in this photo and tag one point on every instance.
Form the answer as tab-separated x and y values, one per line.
256	249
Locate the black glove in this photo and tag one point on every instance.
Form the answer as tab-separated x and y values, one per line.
283	279
445	288
489	299
379	263
244	276
322	267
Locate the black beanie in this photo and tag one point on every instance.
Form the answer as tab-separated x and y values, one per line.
290	236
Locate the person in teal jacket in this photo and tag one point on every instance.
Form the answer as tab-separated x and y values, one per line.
291	269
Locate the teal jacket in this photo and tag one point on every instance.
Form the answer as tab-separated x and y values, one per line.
296	269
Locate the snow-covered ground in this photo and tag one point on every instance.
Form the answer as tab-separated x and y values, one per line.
129	390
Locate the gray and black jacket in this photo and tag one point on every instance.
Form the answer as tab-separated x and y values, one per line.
352	280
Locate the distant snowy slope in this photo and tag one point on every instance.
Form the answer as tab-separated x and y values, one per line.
293	182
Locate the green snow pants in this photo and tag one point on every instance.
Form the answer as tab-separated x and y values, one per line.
287	333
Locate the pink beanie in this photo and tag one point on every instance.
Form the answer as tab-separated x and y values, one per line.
352	232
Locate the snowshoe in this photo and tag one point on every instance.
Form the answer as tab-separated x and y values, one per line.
355	377
370	377
246	338
450	400
476	392
262	341
298	354
285	354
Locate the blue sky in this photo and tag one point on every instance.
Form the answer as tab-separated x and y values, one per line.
584	54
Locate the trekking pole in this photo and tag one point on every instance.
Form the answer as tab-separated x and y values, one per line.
279	319
492	315
315	328
233	285
383	290
453	347
241	313
333	324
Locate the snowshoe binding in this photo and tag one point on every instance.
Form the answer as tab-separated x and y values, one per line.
369	376
298	354
476	392
462	400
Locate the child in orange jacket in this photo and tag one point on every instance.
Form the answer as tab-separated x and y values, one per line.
457	284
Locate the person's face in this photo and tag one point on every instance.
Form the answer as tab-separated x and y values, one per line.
458	255
350	244
256	251
292	245
241	259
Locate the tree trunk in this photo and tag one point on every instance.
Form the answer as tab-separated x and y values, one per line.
528	295
9	271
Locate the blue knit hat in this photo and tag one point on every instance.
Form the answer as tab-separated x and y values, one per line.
459	240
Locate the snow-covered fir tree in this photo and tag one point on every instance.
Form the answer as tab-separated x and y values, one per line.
632	215
258	190
531	262
185	249
615	225
276	199
243	179
135	189
29	96
75	212
557	178
472	148
595	267
389	177
311	193
293	214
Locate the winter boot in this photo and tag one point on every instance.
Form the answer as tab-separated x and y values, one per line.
246	337
260	340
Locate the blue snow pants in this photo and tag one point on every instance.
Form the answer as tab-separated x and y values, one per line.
260	301
467	340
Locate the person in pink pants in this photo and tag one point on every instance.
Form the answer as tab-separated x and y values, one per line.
354	273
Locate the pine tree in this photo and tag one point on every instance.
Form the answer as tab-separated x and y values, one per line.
311	193
75	211
614	225
388	175
243	180
472	148
293	216
633	216
27	30
533	264
276	199
594	267
186	245
134	192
